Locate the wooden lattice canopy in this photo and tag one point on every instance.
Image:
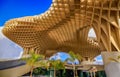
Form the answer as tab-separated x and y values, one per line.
65	27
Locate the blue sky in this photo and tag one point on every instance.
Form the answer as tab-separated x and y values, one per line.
18	8
63	56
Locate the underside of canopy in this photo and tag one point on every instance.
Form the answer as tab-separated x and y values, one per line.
65	27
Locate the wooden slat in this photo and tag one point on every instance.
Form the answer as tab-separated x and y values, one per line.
63	27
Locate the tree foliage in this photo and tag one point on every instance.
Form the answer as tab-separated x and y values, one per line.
34	61
57	64
73	57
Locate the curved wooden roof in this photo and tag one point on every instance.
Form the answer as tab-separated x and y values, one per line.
65	27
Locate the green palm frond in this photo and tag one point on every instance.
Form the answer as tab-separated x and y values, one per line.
79	57
57	64
72	55
33	59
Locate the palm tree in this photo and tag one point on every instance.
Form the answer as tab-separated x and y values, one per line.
42	64
56	65
34	61
72	58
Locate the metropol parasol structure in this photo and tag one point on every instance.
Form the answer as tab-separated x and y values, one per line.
65	27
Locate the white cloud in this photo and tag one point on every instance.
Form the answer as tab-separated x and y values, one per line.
99	59
8	49
91	33
63	56
60	55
